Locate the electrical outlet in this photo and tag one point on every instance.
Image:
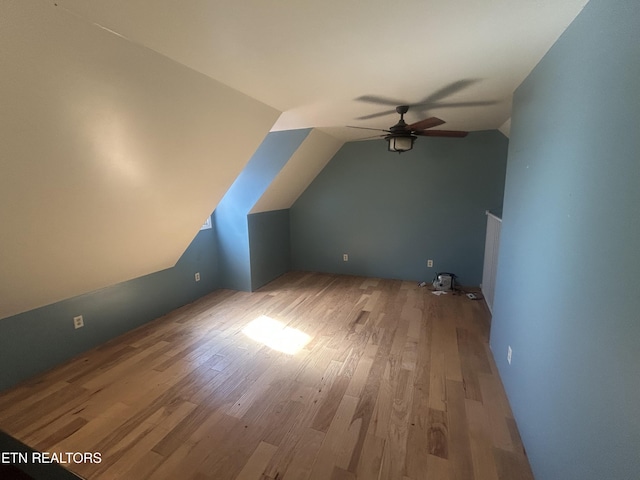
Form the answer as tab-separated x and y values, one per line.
430	263
197	276
345	257
78	322
509	352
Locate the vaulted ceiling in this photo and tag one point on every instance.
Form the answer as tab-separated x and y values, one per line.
313	60
125	121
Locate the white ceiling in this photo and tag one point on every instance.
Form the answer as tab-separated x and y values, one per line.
313	59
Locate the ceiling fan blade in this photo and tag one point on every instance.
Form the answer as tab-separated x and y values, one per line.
368	138
375	115
441	133
426	123
367	128
380	100
449	90
463	104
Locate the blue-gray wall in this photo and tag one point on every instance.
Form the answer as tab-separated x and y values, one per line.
231	213
390	212
568	290
37	340
42	338
269	244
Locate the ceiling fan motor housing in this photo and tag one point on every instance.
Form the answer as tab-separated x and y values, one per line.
400	139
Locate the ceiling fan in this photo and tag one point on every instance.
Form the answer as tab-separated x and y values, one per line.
401	136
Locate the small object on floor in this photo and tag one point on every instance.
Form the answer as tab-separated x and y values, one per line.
444	281
439	292
422	284
472	296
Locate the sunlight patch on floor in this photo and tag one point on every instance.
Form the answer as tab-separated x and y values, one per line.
276	335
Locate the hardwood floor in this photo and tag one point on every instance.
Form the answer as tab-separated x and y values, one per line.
394	383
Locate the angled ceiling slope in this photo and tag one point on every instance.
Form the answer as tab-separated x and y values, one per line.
312	60
232	228
308	160
111	155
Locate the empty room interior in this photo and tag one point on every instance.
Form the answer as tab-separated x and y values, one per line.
320	240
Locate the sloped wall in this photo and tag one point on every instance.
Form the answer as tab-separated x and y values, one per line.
231	215
304	165
35	341
268	222
111	155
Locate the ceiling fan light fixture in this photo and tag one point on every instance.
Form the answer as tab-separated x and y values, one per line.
400	143
401	136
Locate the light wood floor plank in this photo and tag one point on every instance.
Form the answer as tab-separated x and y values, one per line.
299	465
258	461
484	467
394	383
512	465
337	445
438	469
459	456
